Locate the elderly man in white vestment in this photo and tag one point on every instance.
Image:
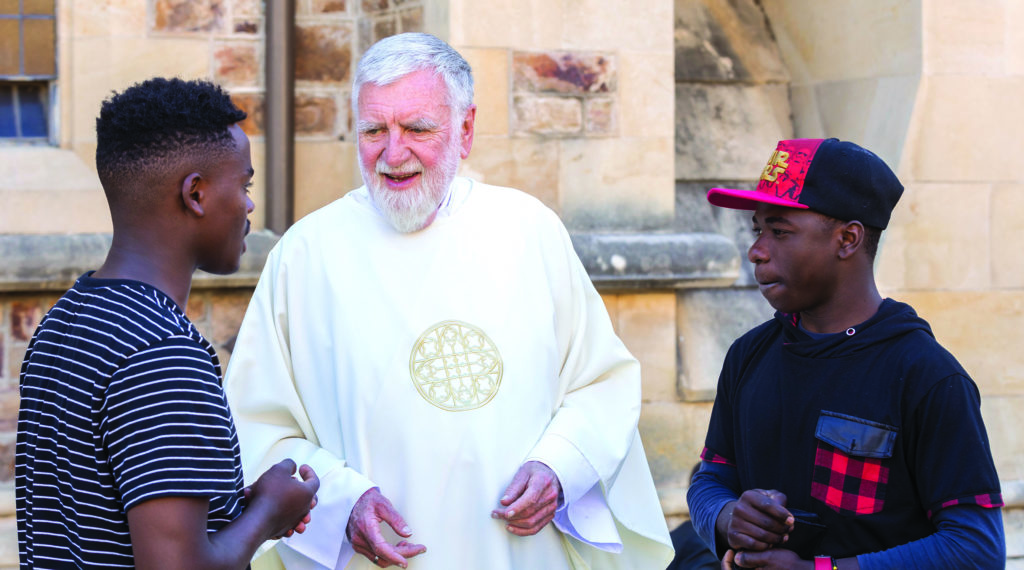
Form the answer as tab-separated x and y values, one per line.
434	349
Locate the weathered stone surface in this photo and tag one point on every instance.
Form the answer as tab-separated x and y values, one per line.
663	261
325	169
329	6
25	317
708	321
637	25
384	27
620	261
564	72
115	62
599	116
411	20
982	329
673	435
695	214
10	399
247	7
645	97
107	17
15	354
48	262
323	52
1002	421
1013	526
9	535
197	308
642	322
514	23
371	6
490	87
365	39
315	115
53	262
1014	50
1013	493
728	131
875	112
247	27
615	184
527	163
188	15
980	118
547	115
42	179
725	41
816	44
236	64
936	258
1007	264
7	457
226	312
252	104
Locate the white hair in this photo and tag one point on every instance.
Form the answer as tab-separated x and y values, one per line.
394	57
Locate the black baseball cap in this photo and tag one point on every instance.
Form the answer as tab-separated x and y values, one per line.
837	178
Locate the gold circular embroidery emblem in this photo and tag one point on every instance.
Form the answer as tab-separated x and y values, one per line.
455	366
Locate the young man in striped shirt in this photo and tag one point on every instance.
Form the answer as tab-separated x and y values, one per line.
127	454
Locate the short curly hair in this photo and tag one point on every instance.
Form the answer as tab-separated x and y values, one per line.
147	129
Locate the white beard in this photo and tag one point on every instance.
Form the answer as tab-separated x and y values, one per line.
413	209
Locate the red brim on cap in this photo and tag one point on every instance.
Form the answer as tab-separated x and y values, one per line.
747	199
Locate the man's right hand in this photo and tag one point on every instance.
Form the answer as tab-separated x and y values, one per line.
757	521
364	531
286	500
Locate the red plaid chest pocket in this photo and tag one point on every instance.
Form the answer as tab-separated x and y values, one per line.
851	467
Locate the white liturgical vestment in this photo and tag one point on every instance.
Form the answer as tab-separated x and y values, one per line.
432	365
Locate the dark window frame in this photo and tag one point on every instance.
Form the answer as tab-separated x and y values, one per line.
21	82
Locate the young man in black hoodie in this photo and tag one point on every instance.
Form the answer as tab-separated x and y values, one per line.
843	435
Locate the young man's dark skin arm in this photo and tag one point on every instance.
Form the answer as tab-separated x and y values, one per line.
170	532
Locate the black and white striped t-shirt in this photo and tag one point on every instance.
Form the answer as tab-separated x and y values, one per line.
121	402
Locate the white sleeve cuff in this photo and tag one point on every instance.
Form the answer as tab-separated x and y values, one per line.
584	513
590	521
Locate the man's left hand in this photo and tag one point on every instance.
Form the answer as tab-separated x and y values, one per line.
531	500
772	559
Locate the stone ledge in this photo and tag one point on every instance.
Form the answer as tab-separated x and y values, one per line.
1013	493
52	262
623	261
658	260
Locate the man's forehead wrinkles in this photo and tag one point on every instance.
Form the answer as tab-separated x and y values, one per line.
388	113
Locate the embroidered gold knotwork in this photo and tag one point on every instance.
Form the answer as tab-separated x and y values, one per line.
455	366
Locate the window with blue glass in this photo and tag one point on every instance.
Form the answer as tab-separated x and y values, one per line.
28	67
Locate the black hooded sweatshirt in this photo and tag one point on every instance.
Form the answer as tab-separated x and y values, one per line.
874	429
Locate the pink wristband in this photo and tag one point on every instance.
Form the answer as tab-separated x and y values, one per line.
823	563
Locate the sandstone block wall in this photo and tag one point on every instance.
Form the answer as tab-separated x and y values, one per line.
619	115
